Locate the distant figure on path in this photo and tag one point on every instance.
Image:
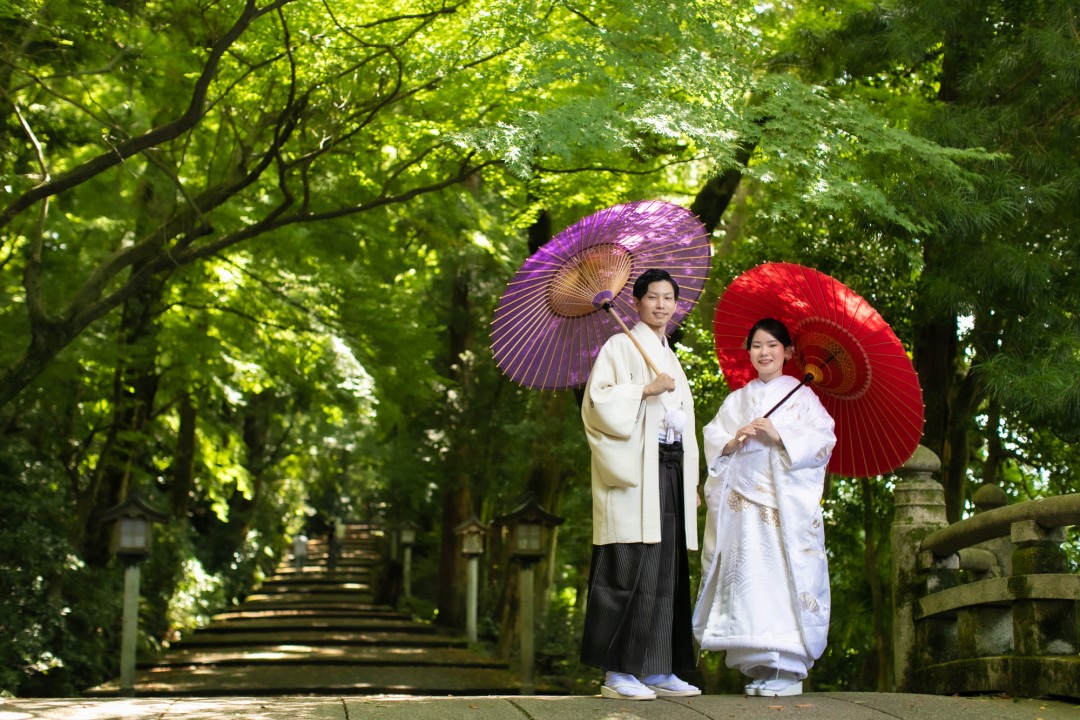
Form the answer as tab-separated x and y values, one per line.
336	542
644	486
299	552
764	594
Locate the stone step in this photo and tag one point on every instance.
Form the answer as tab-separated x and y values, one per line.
296	625
384	638
306	579
276	592
336	655
262	681
320	549
322	595
326	607
243	616
321	570
358	557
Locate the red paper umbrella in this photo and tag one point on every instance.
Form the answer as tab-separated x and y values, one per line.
573	293
843	348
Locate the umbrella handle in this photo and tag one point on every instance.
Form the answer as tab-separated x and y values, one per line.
813	375
648	361
807	378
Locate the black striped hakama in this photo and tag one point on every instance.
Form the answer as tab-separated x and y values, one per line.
637	619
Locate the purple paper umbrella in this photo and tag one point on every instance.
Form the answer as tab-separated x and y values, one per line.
577	290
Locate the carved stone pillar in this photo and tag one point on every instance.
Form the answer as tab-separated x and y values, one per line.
920	509
990	497
987	630
1040	626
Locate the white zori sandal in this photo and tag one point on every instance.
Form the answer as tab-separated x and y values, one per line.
669	686
782	685
621	686
753	688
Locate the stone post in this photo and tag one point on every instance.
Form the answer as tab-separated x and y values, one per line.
1040	626
987	630
920	509
130	628
526	578
991	497
472	590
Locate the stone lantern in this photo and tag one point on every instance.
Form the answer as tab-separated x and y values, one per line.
527	525
472	533
131	541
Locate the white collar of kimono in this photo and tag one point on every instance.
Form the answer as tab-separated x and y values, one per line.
657	350
654	346
782	383
763	396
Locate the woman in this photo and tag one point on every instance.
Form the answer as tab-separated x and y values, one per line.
764	595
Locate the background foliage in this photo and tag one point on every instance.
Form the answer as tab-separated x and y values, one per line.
249	254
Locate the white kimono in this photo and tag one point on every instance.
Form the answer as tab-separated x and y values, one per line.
764	594
623	431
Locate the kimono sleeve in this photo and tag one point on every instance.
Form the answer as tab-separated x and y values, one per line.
719	432
613	402
613	412
807	431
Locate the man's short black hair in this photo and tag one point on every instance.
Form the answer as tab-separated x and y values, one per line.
647	278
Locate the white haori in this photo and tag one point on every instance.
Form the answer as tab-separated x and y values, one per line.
764	594
623	431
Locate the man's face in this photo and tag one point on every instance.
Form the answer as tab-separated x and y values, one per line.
656	305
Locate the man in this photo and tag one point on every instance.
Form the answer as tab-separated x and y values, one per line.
640	427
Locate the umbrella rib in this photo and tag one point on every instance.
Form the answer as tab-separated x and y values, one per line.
521	335
676	244
524	335
539	358
539	342
521	304
566	376
596	332
875	444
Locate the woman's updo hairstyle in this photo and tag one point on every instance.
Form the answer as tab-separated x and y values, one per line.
772	326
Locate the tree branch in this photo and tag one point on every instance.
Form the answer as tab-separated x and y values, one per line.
169	131
86	307
31	273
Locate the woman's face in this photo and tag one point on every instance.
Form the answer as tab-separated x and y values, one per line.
768	355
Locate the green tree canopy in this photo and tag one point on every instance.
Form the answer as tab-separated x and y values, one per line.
249	253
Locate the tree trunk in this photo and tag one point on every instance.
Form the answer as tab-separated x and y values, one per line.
712	200
457	504
715	196
967	403
937	345
456	509
123	458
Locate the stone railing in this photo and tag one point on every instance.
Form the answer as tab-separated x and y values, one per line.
986	604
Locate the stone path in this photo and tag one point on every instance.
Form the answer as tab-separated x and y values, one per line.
812	706
320	632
